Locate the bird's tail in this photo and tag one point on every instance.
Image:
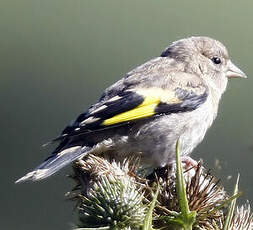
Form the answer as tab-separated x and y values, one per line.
54	163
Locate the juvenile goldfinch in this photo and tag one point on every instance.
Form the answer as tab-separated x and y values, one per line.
144	113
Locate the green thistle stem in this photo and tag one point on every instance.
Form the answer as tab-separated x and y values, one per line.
186	218
228	220
149	217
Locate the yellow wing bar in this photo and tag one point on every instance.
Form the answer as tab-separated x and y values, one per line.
152	97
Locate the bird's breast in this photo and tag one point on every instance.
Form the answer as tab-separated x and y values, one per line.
156	139
197	124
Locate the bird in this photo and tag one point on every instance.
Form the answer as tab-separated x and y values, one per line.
175	95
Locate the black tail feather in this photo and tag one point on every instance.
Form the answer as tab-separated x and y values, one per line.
54	163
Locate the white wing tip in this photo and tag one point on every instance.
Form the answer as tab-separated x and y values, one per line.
33	176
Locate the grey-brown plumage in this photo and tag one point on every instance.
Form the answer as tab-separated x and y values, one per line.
171	96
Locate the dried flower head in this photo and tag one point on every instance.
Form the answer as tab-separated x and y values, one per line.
243	218
204	195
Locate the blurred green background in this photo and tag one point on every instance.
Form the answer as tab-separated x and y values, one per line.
56	57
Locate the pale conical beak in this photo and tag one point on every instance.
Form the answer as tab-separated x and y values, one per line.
234	72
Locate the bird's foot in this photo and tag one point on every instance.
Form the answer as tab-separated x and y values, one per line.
188	162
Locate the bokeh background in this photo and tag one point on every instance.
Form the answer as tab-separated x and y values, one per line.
56	57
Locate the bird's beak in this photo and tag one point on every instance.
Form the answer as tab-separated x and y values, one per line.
234	72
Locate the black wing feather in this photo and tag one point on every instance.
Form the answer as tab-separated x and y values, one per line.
190	102
127	100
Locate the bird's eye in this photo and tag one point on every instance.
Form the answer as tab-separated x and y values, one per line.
216	60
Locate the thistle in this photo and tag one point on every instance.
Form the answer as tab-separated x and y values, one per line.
114	195
243	218
204	194
108	196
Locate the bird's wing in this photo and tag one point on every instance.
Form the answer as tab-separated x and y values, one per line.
139	102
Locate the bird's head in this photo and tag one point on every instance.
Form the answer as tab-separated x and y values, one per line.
205	57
